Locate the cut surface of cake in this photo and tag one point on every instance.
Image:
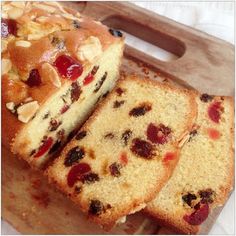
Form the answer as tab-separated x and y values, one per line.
126	151
204	174
56	65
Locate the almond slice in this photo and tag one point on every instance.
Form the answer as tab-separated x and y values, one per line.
6	66
45	7
23	43
10	106
15	13
69	16
50	72
18	4
4	45
42	19
27	111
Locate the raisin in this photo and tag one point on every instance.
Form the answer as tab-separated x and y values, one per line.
78	190
158	134
105	94
142	148
75	92
81	135
34	78
115	169
55	147
54	124
46	115
141	110
126	136
90	178
74	155
61	134
68	67
32	152
187	198
214	111
64	109
96	207
206	195
8	26
76	24
58	43
115	33
192	134
117	104
71	135
77	172
119	91
206	98
109	136
198	216
100	83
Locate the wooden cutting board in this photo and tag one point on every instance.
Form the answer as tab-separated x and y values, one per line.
204	63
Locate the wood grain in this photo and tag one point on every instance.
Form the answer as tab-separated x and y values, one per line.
205	63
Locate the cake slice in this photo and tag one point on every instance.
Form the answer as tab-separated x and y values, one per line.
203	177
56	65
126	151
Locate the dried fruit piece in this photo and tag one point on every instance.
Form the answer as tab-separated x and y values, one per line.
192	134
214	111
64	109
75	92
58	43
109	136
54	124
158	134
117	104
55	147
119	91
115	169
141	110
96	207
74	155
213	133
76	24
123	159
88	79
76	172
126	136
169	156
34	78
100	83
198	216
78	189
206	195
47	143
68	67
81	135
8	27
206	98
115	33
142	148
90	178
188	198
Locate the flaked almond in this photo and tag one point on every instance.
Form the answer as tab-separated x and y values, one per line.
56	4
15	13
69	16
18	4
42	19
27	111
10	106
90	49
35	36
23	43
4	45
50	72
45	7
6	66
183	140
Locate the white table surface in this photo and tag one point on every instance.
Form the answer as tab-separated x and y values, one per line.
216	18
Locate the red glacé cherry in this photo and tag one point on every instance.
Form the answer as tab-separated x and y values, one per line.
44	147
8	26
158	134
68	67
214	111
198	216
77	172
88	79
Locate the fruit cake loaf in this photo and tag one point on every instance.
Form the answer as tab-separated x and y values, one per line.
56	65
126	151
203	177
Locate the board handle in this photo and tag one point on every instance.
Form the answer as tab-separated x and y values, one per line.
205	62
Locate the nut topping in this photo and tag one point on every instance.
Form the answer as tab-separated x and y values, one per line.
45	7
10	106
23	43
27	111
6	66
51	73
4	45
90	49
15	13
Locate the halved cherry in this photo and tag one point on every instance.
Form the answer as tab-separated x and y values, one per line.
214	111
8	27
68	67
213	133
77	172
44	147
